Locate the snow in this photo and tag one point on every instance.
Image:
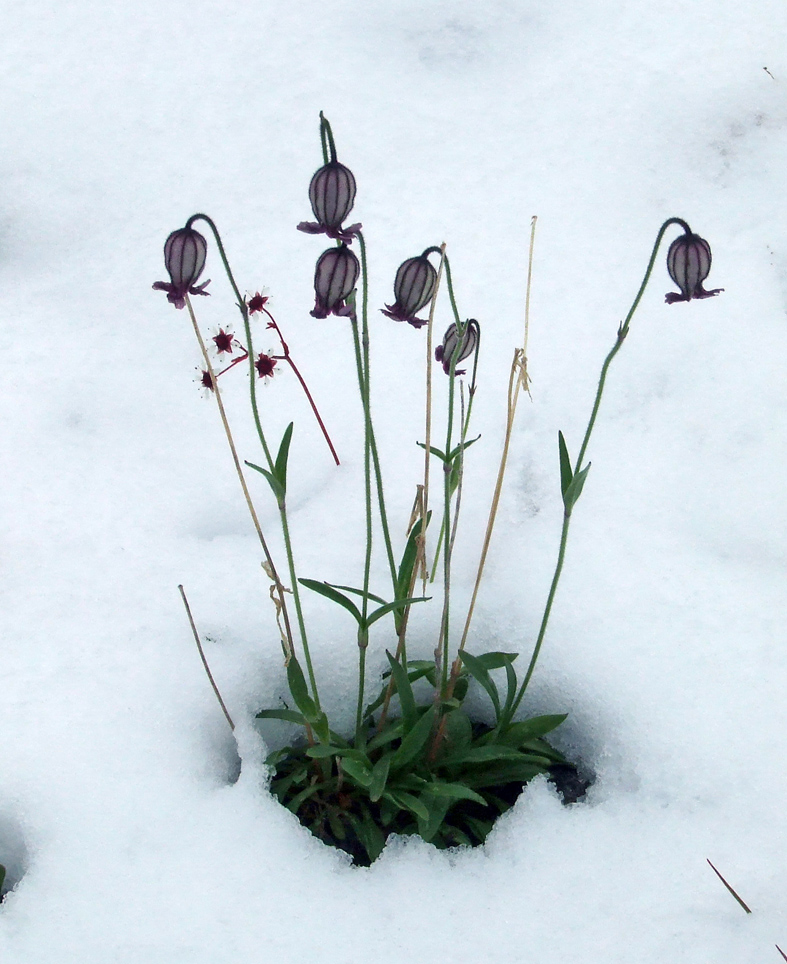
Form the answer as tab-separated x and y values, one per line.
122	829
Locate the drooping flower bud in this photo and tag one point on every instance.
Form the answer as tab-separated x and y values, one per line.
445	352
413	289
332	195
335	277
184	258
688	263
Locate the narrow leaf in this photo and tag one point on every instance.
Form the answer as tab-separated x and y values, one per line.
334	595
289	716
496	660
396	604
414	741
566	475
300	693
408	558
357	592
379	777
281	458
480	673
519	733
405	691
273	482
438	452
574	490
355	769
453	791
406	801
462	445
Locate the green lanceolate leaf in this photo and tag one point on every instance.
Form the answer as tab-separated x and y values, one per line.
405	691
273	482
357	771
458	731
575	489
480	673
289	716
357	592
410	554
496	660
566	475
391	606
483	754
499	774
511	682
406	801
334	595
519	733
321	728
300	693
452	791
379	777
369	834
437	808
414	741
280	469
392	731
433	451
460	446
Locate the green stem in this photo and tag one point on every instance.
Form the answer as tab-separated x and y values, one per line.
241	301
623	331
447	541
378	476
364	390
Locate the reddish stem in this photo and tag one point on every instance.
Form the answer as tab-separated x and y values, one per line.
286	357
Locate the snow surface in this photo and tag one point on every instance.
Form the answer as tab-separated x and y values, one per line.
120	823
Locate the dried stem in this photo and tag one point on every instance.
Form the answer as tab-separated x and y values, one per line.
239	470
420	563
517	382
202	657
740	900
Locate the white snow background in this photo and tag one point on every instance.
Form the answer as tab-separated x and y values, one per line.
123	833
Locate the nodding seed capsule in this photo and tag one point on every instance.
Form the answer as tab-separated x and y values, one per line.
445	352
335	277
413	288
332	195
184	258
689	262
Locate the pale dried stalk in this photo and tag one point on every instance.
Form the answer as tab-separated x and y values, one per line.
517	382
270	568
204	660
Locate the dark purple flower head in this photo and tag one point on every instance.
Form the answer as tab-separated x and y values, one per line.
335	277
688	263
445	353
184	257
413	288
332	194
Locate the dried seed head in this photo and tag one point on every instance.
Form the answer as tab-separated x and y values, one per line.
688	262
335	277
